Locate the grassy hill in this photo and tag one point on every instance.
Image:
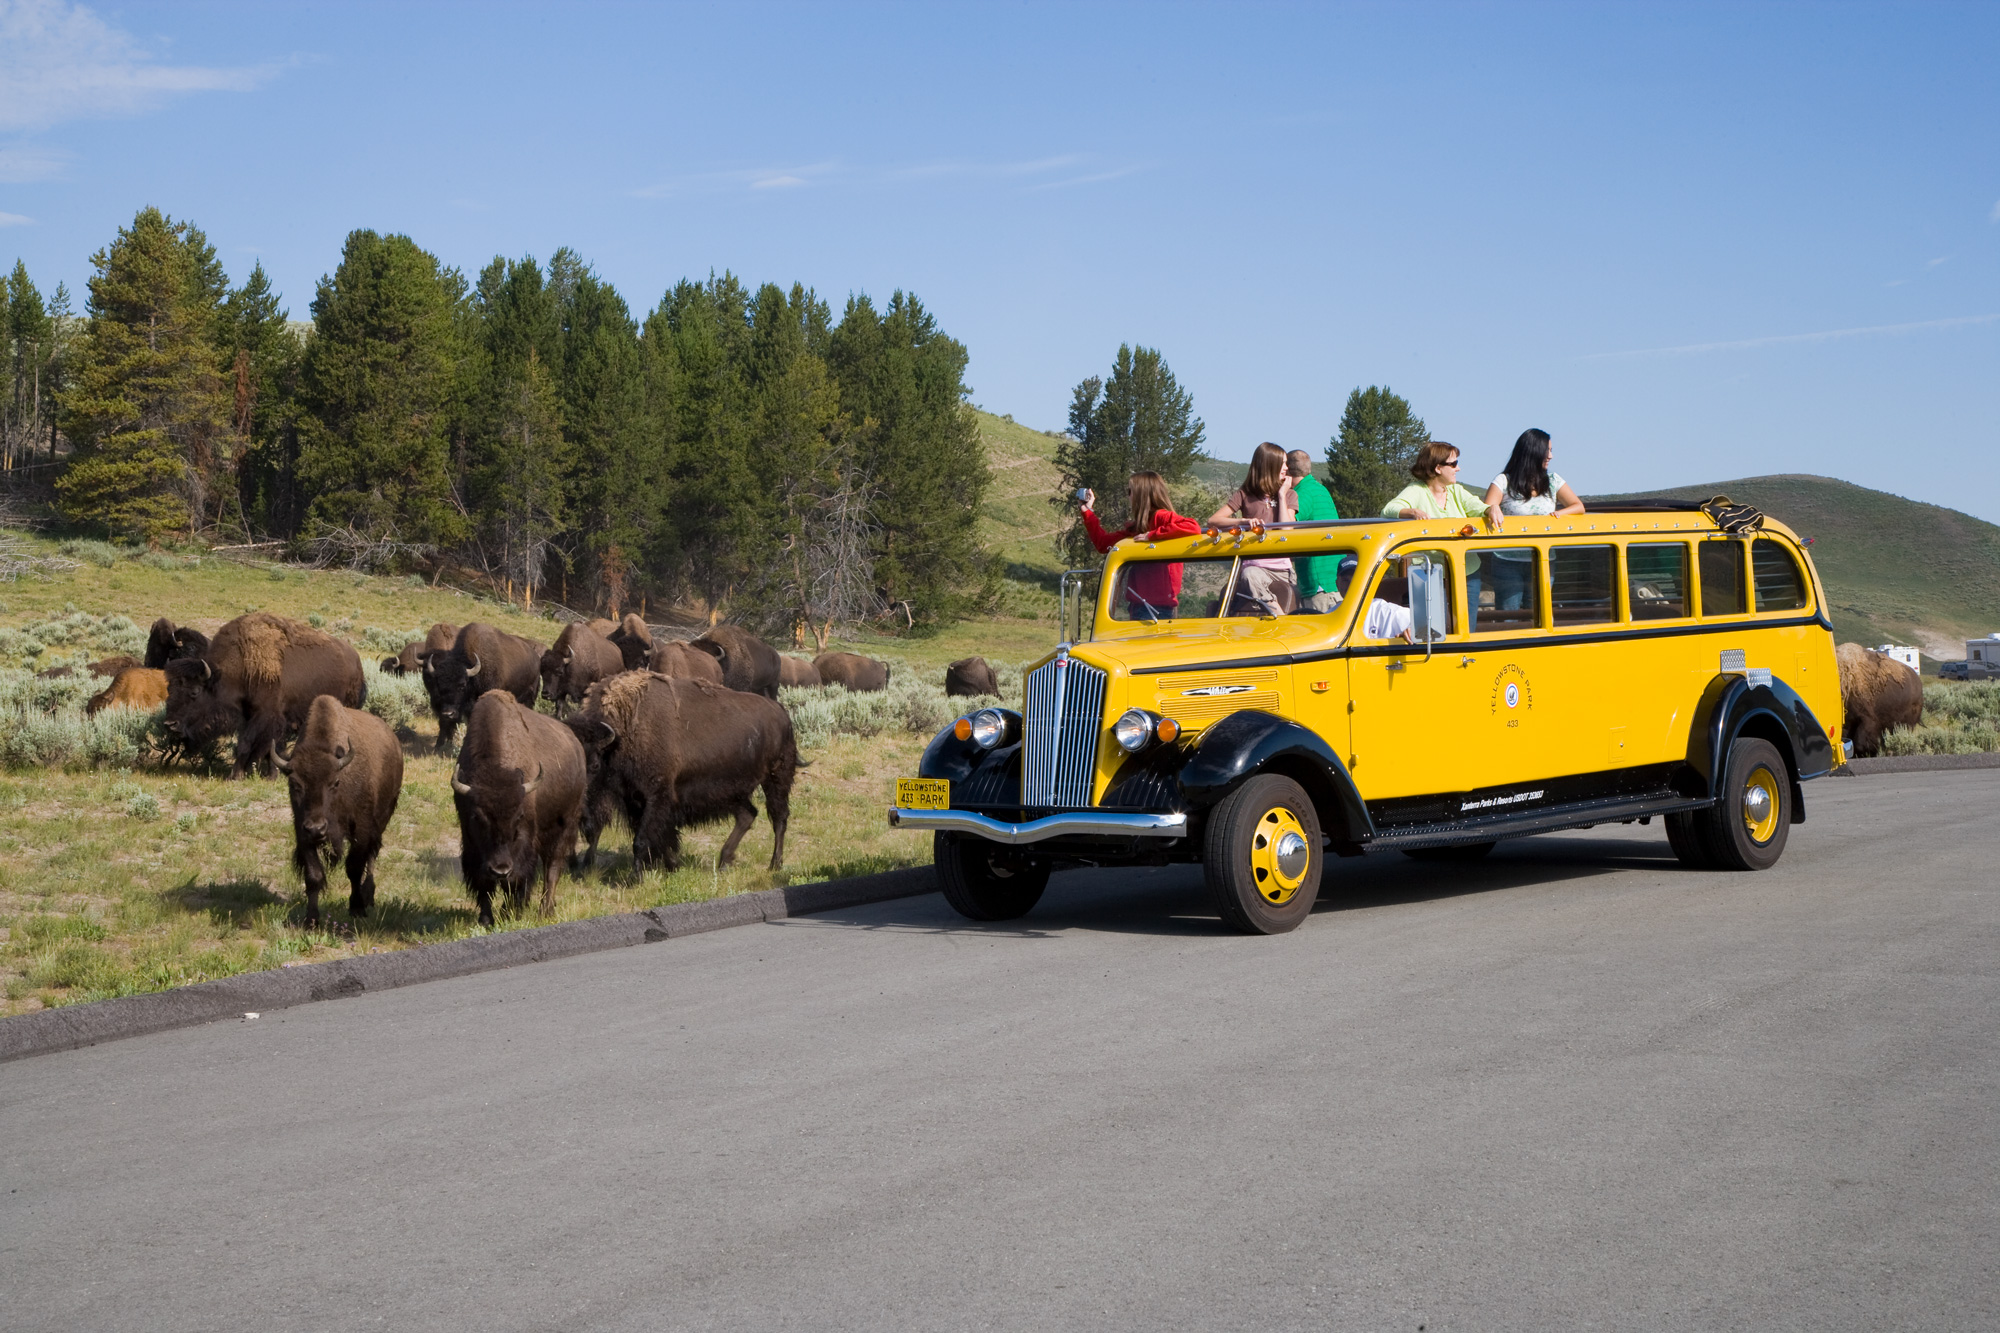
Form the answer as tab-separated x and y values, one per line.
1896	570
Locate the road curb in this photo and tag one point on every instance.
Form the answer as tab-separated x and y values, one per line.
75	1025
1921	763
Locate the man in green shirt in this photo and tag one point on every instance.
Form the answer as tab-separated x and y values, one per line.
1316	573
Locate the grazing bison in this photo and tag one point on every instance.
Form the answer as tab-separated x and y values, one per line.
678	659
580	658
134	687
796	672
165	644
634	638
440	637
519	788
1876	692
748	663
345	775
857	673
481	658
675	752
257	678
970	676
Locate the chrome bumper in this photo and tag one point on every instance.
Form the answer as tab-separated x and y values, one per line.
1105	825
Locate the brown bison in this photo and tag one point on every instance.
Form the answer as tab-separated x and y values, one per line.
134	687
257	678
673	752
796	673
858	674
481	658
678	659
440	637
519	788
580	658
969	677
634	638
1876	692
748	663
345	775
165	643
602	626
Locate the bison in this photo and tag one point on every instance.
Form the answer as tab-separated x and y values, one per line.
858	674
440	637
603	626
134	687
165	643
748	663
634	638
519	788
678	659
674	752
481	658
796	672
970	677
580	658
1876	692
257	678
345	775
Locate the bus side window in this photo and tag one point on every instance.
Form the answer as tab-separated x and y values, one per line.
1504	594
1656	577
1780	586
1721	561
1580	584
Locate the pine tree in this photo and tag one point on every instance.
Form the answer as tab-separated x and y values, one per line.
612	491
147	412
1369	460
29	344
1140	420
261	360
528	505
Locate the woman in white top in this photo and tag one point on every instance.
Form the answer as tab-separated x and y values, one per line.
1530	489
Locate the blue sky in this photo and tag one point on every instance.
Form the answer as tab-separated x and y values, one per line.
1692	242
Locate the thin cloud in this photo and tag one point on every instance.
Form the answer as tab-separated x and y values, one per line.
721	182
777	183
15	220
1941	260
1091	179
1825	335
22	165
1032	167
1994	216
61	62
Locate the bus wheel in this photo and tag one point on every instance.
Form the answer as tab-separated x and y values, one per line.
1746	827
986	881
1464	851
1684	836
1262	856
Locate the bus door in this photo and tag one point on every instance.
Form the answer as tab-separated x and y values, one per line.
1410	692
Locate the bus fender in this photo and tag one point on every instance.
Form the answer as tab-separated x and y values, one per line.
1732	706
957	761
1250	742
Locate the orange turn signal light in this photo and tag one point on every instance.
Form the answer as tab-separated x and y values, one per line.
1167	730
962	728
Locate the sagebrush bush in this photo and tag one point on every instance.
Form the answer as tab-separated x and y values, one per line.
42	725
386	642
1960	717
913	703
398	700
96	553
86	636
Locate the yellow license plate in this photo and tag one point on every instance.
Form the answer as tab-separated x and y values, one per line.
923	794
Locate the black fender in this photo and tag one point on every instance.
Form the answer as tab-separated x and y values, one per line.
1733	706
977	776
1250	742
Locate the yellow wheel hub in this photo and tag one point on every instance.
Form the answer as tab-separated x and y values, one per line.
1279	855
1760	804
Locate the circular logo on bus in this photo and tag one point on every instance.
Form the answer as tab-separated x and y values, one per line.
1513	695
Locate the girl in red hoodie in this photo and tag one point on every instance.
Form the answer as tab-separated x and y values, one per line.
1153	589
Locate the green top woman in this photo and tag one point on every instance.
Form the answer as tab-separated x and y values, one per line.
1436	492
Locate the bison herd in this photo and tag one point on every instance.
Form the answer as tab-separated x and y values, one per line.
664	734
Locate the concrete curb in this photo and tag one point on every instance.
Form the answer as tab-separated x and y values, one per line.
75	1025
1921	763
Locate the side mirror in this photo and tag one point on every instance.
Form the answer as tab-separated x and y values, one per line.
1430	602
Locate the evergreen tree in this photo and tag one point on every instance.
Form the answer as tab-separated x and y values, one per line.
1140	420
379	386
30	344
261	360
1369	460
527	506
147	412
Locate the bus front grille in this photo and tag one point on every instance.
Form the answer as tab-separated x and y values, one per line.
1064	714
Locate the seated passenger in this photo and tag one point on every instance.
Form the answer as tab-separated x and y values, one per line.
1263	585
1527	488
1437	494
1317	575
1152	590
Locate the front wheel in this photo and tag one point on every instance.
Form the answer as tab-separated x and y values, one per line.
1746	827
1262	856
986	881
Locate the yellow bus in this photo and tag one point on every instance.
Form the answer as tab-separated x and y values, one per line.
1470	686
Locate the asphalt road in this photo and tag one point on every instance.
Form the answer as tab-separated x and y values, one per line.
1574	1087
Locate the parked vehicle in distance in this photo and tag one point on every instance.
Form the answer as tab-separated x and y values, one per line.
1969	670
1471	686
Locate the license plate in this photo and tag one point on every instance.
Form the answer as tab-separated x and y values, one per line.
923	794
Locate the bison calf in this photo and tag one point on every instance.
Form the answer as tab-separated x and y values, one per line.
133	687
519	788
345	775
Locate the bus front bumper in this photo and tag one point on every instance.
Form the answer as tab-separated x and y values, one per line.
1085	823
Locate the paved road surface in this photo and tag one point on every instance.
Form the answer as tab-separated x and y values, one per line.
1575	1087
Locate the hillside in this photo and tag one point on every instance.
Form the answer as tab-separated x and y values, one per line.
1016	522
1896	570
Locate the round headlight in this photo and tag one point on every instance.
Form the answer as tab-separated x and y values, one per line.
988	728
1133	730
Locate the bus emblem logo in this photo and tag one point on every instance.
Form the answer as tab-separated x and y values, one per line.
1212	690
1513	695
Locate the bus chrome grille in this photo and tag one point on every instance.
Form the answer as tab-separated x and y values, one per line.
1064	714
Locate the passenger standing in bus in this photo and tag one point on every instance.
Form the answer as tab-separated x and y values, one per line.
1317	575
1264	497
1437	494
1527	489
1153	588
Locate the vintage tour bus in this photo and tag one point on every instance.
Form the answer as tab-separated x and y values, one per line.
1655	661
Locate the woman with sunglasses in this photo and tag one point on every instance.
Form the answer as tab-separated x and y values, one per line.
1436	492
